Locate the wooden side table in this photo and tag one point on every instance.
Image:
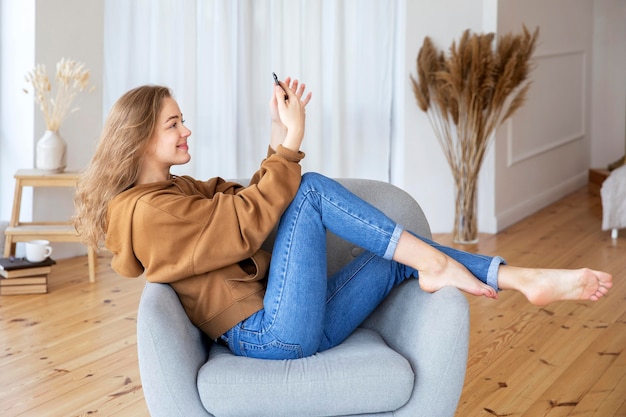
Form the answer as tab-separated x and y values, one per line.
60	231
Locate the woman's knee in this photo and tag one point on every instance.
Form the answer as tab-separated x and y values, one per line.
313	181
313	178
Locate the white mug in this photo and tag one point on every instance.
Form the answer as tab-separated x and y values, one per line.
38	250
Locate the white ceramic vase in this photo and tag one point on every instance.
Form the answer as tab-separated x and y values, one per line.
51	152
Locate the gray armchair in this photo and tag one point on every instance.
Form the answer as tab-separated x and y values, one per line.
407	359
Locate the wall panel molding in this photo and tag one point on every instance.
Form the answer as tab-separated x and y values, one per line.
557	98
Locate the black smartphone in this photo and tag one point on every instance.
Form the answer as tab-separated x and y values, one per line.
278	84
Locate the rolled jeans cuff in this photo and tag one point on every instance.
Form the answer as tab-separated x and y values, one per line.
393	243
492	273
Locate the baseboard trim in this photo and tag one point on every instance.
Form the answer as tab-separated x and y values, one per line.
530	206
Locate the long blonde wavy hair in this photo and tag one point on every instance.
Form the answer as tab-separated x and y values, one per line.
117	160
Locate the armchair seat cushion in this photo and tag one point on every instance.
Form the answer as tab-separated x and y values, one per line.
362	375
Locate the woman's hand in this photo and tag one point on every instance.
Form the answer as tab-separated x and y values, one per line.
288	115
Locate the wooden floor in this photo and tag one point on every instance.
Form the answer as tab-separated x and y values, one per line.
566	359
72	352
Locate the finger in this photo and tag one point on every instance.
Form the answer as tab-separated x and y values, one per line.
300	90
280	94
283	87
307	99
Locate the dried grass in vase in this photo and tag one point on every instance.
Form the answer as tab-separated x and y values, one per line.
71	78
466	96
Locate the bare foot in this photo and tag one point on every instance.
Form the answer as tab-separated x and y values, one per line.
436	269
544	286
449	273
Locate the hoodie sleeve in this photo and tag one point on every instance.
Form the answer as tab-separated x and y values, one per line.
176	235
119	239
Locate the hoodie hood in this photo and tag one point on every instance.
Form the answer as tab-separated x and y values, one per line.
119	236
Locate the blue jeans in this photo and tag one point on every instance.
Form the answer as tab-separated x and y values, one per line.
304	310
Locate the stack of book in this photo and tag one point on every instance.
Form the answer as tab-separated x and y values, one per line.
18	276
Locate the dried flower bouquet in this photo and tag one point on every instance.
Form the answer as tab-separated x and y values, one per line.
71	79
466	96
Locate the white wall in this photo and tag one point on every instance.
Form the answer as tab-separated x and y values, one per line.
546	150
78	35
608	124
17	39
55	29
543	153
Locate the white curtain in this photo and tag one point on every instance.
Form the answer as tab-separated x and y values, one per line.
218	57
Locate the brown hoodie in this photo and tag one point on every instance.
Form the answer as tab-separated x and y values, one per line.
204	238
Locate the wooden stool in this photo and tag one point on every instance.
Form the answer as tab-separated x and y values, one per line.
62	231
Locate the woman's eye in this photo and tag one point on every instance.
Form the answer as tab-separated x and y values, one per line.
175	124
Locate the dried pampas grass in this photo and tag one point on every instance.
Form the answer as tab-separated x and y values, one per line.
71	78
466	96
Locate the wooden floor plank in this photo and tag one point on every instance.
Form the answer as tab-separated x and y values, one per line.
61	392
597	361
606	396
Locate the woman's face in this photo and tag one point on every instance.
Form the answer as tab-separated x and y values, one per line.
168	144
